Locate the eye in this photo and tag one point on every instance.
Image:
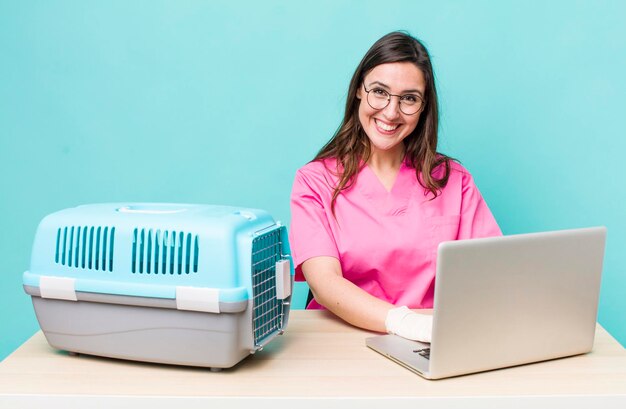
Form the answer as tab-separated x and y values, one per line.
379	92
411	99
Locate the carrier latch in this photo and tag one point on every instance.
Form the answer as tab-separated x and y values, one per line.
283	279
198	299
60	288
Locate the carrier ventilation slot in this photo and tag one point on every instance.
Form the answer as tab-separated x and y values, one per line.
164	252
86	247
268	310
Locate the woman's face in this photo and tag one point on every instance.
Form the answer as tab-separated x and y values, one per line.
387	127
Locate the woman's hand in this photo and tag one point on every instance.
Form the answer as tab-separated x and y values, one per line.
409	324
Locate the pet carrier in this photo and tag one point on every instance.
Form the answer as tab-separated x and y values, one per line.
182	284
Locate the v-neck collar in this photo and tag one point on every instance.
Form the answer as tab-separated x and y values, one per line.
394	201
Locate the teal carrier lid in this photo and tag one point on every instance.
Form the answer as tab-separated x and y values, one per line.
196	254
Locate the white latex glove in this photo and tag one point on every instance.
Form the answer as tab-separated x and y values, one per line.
408	324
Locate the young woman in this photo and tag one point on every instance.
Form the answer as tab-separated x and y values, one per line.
371	208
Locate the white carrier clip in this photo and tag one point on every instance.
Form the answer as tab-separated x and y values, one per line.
198	299
59	288
283	279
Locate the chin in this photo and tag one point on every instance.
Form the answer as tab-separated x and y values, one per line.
385	143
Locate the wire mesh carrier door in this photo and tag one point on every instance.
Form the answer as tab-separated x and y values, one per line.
199	285
269	310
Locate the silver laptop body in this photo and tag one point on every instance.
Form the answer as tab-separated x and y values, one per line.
506	301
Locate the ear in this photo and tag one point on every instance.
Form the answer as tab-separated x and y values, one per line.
358	93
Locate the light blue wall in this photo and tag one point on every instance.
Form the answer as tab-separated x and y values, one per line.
220	102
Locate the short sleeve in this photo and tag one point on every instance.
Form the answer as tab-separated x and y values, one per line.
476	219
310	234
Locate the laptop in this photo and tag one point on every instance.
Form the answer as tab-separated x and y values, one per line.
506	301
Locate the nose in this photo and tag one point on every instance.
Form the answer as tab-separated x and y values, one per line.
392	110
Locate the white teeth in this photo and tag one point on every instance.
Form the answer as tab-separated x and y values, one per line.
386	127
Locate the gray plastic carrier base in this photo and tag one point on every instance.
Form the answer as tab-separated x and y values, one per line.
139	333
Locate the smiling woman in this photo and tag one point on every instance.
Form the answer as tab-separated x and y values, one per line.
370	210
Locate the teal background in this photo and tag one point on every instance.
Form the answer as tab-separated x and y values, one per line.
220	102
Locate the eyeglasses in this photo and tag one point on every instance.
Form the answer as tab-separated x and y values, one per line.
378	98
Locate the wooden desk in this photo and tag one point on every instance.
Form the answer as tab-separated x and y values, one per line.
320	362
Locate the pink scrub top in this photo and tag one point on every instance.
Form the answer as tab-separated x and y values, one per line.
386	242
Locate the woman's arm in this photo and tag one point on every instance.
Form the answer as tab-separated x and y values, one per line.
342	297
357	307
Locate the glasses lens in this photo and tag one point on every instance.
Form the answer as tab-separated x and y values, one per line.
378	98
410	108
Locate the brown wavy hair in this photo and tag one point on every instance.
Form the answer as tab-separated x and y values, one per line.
350	146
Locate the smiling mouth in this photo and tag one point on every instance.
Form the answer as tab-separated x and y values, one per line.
387	128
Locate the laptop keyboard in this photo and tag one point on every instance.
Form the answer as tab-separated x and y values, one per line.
425	352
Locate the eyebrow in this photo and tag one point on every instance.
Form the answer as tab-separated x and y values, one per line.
415	91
